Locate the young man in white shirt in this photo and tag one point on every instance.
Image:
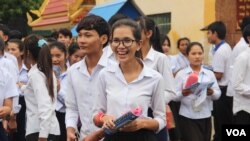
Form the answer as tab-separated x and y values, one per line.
8	90
238	48
93	35
241	83
220	52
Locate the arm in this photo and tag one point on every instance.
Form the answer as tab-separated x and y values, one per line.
72	113
240	71
216	93
166	72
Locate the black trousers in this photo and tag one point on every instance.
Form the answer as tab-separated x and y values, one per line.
141	135
35	136
3	134
222	112
242	117
163	134
21	120
195	129
61	119
175	133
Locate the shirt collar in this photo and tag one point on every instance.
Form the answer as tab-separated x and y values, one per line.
115	68
151	54
103	61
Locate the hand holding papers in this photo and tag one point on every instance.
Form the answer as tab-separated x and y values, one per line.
198	88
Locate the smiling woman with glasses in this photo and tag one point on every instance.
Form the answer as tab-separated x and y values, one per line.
128	85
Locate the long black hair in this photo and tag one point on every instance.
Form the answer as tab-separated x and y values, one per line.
41	55
148	24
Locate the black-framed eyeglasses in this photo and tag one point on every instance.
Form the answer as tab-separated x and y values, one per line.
125	42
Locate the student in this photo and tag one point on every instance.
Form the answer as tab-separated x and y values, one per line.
74	54
16	48
153	58
237	49
180	59
129	84
4	34
165	43
93	35
220	53
195	122
240	83
64	36
58	53
8	90
40	97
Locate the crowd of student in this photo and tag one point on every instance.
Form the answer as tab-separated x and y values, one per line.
57	89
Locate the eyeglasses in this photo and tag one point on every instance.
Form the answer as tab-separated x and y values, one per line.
125	42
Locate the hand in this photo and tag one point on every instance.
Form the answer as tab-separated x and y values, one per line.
71	134
4	111
186	92
133	126
42	139
95	136
5	125
108	121
210	91
20	84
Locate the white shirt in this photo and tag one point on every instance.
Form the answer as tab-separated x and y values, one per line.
161	63
180	62
12	58
238	48
60	102
221	62
241	82
40	109
23	77
80	95
8	87
116	96
13	69
186	108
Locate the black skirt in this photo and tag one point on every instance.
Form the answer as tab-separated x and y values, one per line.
140	135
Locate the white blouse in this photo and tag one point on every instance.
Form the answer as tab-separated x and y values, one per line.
115	96
40	108
205	108
241	82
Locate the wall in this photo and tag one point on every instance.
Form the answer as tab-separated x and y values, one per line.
226	12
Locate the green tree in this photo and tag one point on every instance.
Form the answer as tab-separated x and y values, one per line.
13	13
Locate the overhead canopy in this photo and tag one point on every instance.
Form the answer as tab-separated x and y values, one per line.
106	11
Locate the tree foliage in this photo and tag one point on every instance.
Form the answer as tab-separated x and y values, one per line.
16	8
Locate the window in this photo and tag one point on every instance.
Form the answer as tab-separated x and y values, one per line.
163	21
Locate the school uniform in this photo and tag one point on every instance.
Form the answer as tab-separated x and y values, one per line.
11	57
80	95
21	114
195	123
238	48
241	83
180	62
8	63
61	107
223	114
40	108
8	89
115	97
